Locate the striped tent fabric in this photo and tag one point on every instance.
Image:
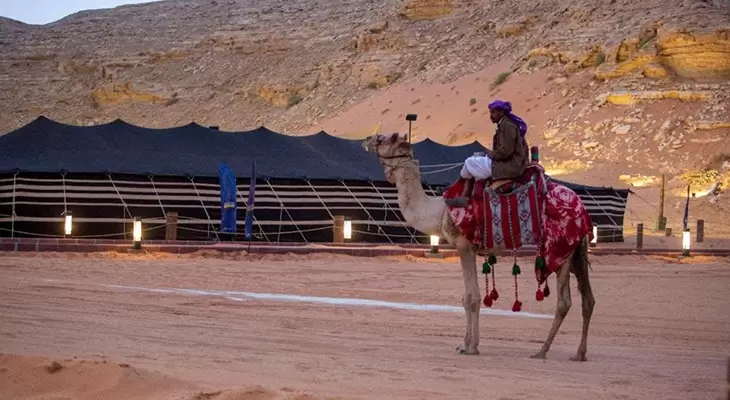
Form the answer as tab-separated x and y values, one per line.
108	174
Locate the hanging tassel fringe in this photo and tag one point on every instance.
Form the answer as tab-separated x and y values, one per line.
517	306
487	268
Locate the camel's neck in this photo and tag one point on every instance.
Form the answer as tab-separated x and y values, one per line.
416	206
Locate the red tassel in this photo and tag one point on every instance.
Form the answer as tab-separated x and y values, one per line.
494	295
546	291
517	307
539	295
487	301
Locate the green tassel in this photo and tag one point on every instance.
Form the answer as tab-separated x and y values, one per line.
492	259
516	269
486	268
540	264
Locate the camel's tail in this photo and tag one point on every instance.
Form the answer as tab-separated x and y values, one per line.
580	262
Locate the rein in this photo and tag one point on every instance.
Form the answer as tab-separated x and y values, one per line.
389	168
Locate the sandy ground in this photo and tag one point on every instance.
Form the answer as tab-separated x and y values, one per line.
661	330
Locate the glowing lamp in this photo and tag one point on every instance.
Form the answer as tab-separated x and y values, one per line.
435	243
685	242
67	223
137	233
347	231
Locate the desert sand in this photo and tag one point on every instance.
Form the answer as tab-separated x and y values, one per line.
119	326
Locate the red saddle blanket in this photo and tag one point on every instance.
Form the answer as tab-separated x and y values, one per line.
532	210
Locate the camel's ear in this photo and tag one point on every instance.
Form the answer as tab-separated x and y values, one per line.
394	137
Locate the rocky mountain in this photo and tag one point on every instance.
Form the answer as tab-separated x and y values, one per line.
614	90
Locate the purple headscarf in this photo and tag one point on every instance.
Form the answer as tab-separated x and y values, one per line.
506	106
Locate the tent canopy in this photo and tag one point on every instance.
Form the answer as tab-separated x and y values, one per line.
44	146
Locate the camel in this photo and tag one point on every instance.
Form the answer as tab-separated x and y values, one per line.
429	215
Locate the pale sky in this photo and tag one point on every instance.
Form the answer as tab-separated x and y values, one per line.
41	12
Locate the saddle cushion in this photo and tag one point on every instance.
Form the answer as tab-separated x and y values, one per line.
531	210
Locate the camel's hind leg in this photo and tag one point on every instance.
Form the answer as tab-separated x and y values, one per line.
564	303
579	267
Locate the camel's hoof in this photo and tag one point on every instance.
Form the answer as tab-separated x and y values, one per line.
467	352
579	357
539	356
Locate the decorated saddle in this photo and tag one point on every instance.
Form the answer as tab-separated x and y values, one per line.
529	211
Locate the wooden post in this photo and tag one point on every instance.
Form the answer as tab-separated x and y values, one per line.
640	236
668	232
700	231
338	229
171	227
661	223
728	378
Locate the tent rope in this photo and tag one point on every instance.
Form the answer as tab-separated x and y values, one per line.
207	215
387	207
105	235
442	165
320	199
283	233
285	210
120	197
370	217
159	200
442	169
603	210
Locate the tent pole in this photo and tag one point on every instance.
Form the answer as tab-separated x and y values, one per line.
255	220
12	216
125	210
65	206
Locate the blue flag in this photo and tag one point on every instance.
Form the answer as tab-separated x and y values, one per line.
228	199
249	204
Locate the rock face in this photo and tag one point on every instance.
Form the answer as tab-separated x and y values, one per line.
598	81
122	93
696	54
428	9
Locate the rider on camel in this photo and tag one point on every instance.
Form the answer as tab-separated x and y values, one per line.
509	155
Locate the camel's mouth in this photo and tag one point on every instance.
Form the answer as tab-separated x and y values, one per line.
368	144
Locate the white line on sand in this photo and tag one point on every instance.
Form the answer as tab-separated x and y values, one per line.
241	296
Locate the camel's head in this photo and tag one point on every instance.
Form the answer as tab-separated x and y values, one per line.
388	146
392	150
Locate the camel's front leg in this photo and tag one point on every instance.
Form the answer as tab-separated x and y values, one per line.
471	299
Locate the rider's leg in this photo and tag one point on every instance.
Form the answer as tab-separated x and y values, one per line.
467	173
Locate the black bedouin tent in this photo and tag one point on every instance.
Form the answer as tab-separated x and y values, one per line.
108	174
